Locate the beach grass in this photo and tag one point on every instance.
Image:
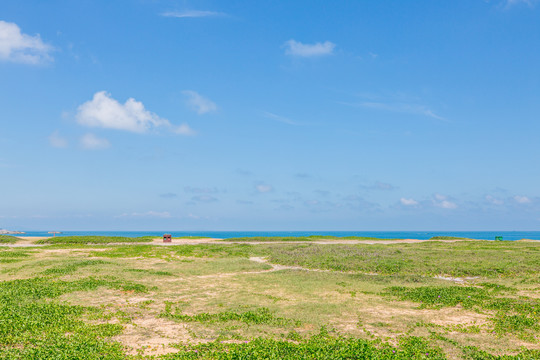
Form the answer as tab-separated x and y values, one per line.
445	237
271	301
7	239
299	238
94	240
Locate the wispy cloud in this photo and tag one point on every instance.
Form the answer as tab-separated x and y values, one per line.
105	112
510	3
408	202
406	108
193	14
280	119
522	199
204	198
184	129
379	185
201	190
356	202
92	142
154	214
263	188
296	48
199	103
494	200
22	48
243	172
442	201
57	141
168	195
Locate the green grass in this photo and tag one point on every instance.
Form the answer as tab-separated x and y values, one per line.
94	240
299	238
444	237
13	255
7	239
70	268
271	238
257	316
34	326
471	258
321	346
513	315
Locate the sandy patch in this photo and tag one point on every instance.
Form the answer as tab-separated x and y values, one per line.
444	317
33	238
152	336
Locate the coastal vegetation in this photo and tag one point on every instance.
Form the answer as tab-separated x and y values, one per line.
299	238
94	239
100	298
7	239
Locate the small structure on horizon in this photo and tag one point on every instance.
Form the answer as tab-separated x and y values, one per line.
54	233
167	238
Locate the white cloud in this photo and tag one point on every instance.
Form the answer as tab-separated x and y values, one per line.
22	48
201	190
57	141
493	200
522	199
198	103
192	14
204	198
440	197
378	185
279	118
184	129
401	108
296	48
163	214
92	142
105	112
443	202
263	188
510	3
408	202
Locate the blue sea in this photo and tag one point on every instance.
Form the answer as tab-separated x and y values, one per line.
421	235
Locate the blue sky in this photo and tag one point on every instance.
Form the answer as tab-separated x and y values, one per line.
270	115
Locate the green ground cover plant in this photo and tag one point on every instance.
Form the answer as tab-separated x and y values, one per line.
13	255
271	238
34	326
7	239
511	315
299	238
260	315
466	259
445	237
321	346
71	267
94	240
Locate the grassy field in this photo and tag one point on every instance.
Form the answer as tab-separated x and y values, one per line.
93	300
7	239
95	240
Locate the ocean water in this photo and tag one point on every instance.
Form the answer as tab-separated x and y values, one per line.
421	235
